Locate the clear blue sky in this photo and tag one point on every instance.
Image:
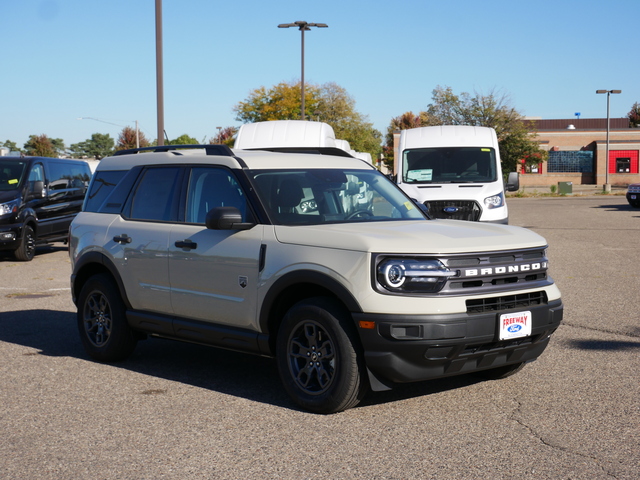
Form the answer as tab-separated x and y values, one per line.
65	59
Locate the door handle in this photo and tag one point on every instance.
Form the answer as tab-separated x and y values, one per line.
188	244
124	238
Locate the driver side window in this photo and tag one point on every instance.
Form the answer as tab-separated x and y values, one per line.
210	188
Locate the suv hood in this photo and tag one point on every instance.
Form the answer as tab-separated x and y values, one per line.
429	236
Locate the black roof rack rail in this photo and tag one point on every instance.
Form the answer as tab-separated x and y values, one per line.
209	149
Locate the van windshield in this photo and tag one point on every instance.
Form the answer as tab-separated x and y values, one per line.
449	165
11	172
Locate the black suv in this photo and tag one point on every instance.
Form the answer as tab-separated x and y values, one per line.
39	196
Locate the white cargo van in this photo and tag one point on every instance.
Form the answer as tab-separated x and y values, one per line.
285	134
455	172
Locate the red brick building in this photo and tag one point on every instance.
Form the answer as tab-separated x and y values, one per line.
577	152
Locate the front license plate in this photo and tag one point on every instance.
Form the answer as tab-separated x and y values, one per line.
515	325
633	197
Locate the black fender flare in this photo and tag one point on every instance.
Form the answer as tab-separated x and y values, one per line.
96	258
299	277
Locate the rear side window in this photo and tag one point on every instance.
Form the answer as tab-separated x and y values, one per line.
102	185
155	195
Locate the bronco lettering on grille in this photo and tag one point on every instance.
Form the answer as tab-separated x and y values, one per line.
528	267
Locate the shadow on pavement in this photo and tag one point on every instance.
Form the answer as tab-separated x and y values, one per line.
54	333
603	345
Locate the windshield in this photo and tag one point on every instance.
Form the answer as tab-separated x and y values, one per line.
11	172
449	165
316	196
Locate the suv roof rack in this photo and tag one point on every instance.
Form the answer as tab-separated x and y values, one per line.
209	149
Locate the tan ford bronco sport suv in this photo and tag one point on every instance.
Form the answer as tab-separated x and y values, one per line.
283	255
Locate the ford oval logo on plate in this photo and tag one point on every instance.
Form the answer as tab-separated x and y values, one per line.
450	209
514	328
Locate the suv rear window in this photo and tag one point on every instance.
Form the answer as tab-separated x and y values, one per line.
102	185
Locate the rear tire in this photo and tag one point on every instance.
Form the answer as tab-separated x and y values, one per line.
27	249
102	323
319	357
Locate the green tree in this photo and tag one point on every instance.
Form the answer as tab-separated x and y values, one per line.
634	116
59	147
100	145
127	139
280	102
12	146
184	140
40	146
328	103
337	108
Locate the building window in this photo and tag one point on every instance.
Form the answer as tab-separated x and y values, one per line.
623	165
623	161
570	162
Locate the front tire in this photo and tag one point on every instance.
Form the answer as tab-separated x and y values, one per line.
102	323
27	249
319	357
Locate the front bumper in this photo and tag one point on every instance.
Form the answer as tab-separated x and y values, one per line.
405	348
10	236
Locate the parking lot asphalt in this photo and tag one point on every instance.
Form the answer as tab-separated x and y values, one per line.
178	411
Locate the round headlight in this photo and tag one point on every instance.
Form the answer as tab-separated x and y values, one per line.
394	274
412	275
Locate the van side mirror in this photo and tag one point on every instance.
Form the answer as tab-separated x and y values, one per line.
226	218
37	189
513	182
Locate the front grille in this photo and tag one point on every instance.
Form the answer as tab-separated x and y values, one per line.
494	271
506	302
454	209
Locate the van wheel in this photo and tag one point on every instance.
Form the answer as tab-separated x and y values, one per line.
102	323
27	249
319	358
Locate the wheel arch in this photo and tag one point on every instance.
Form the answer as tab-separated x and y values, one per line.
291	289
93	263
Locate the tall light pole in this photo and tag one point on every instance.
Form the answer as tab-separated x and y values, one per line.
607	186
159	75
302	26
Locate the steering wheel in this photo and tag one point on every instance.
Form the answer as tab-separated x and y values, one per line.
359	213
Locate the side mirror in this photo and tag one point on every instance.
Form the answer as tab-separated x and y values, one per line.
37	189
513	182
226	218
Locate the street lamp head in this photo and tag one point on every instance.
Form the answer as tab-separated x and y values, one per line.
608	91
302	25
601	91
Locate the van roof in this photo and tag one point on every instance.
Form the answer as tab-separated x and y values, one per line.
285	133
448	136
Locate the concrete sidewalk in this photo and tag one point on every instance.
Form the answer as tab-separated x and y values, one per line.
575	190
